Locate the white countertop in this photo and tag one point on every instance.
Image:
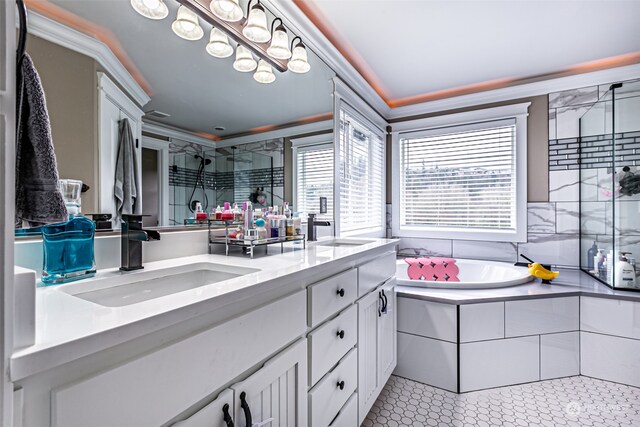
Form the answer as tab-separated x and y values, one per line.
570	282
68	327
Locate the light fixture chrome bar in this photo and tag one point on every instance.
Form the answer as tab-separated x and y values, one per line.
234	31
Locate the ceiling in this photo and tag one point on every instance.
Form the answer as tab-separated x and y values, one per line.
200	91
417	50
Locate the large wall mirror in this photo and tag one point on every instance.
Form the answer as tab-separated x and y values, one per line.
204	132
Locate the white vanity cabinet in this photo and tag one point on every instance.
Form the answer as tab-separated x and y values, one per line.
218	413
276	395
377	326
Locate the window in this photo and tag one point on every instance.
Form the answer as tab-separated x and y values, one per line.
462	181
314	179
362	175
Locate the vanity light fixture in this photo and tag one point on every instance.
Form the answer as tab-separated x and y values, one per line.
152	9
227	10
279	47
256	28
186	25
264	73
218	45
244	60
299	62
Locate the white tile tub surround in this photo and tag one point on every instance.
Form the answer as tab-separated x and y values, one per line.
541	217
481	322
428	361
488	364
554	249
610	317
427	319
610	358
564	186
567	120
568	217
542	316
410	247
494	251
559	355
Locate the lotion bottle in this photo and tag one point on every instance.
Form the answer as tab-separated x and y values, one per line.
625	273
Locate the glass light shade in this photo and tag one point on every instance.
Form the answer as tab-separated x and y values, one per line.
244	60
186	25
218	45
298	62
152	9
279	47
228	10
264	73
256	27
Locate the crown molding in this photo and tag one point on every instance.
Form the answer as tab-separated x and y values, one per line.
543	87
55	32
175	133
324	125
300	24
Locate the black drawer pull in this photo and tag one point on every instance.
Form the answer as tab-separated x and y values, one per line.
227	417
340	334
340	385
340	292
245	407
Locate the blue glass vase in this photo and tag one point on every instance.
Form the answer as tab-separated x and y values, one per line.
68	251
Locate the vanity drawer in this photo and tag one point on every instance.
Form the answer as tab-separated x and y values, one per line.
332	295
375	272
326	346
326	398
348	415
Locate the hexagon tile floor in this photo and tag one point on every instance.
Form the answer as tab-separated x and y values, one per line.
573	401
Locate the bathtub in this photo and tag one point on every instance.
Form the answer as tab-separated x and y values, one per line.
473	274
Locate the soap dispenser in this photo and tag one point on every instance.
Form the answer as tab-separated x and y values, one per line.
625	273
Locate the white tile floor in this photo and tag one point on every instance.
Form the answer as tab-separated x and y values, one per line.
574	401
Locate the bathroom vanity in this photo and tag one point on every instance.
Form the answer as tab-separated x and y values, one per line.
303	338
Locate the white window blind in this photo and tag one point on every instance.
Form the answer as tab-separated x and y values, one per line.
459	177
362	175
314	179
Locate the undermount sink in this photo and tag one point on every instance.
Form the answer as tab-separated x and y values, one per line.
132	288
336	243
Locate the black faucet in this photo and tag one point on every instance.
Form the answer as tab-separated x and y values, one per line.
312	235
131	237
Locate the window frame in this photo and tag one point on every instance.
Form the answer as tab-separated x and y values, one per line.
431	125
312	143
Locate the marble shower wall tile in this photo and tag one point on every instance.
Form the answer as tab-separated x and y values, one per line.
627	217
568	121
541	217
552	124
593	218
579	96
564	186
555	249
495	251
410	247
568	217
589	184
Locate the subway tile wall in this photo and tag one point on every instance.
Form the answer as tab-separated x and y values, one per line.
554	226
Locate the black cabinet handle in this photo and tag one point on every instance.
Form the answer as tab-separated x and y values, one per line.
227	417
340	292
385	301
340	385
380	304
245	407
340	334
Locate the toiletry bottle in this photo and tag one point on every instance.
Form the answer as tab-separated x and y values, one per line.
297	224
237	213
248	215
625	274
218	212
597	261
591	254
286	211
227	214
200	214
262	231
274	226
290	230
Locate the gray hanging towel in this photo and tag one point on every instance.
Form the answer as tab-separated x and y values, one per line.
126	187
38	197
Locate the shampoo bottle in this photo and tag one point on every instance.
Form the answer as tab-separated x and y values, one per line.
625	273
591	254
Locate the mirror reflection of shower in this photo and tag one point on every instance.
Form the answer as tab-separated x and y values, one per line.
199	184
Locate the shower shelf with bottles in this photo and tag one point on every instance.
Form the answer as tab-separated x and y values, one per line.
247	243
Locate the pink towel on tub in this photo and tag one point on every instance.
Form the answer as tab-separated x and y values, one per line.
433	269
